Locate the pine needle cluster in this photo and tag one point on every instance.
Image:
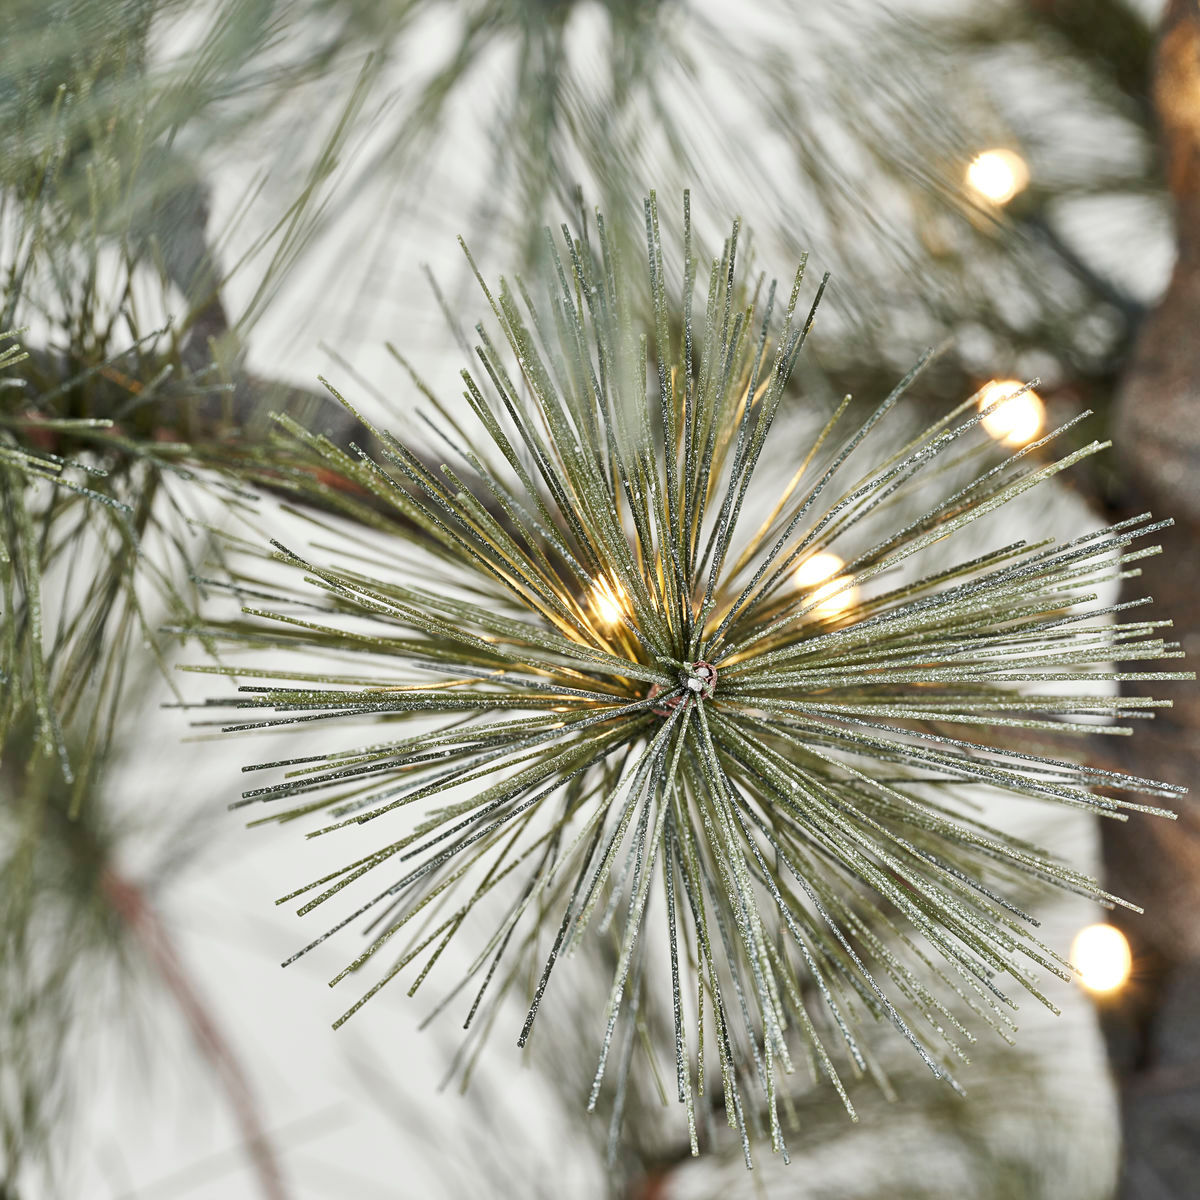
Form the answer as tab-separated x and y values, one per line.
620	713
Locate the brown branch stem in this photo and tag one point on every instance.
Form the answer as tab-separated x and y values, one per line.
131	904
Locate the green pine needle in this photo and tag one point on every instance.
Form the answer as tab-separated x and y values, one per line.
618	713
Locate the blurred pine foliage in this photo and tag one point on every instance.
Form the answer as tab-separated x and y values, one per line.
131	422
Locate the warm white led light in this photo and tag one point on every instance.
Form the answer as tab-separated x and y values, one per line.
1016	422
820	567
608	604
997	175
819	574
1101	955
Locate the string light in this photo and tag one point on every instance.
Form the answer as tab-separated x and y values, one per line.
1019	420
819	574
997	175
1101	955
608	603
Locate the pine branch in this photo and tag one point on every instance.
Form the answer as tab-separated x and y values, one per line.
117	434
627	698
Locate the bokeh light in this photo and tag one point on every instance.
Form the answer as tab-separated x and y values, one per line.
1017	422
997	175
819	575
1101	955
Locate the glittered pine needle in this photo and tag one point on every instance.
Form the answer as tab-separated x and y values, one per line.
629	713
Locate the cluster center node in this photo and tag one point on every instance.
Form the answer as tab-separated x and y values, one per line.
698	682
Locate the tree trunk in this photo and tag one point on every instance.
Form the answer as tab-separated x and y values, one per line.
1153	1028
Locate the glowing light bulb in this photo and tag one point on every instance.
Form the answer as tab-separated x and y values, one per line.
819	575
608	604
1019	420
1101	955
997	175
817	569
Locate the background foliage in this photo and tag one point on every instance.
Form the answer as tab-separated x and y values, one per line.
195	195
